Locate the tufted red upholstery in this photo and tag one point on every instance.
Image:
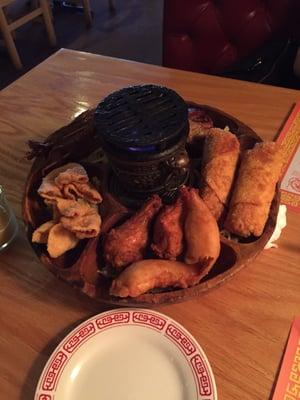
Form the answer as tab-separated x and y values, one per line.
209	36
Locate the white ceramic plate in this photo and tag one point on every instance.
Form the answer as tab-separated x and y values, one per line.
128	354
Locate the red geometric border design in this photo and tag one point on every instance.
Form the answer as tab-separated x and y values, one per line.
45	397
184	342
113	319
202	375
79	336
53	371
149	319
60	359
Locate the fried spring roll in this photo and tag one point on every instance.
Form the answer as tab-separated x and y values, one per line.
254	189
220	156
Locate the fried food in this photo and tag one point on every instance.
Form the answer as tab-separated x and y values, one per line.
200	229
142	276
67	191
40	235
127	243
70	173
60	240
254	190
220	157
49	191
72	208
84	191
83	226
69	181
200	124
168	231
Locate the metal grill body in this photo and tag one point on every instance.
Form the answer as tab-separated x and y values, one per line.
143	131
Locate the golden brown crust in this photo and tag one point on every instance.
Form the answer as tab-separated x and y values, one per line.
72	208
127	243
60	240
212	201
83	226
201	231
168	231
142	276
40	235
254	189
220	157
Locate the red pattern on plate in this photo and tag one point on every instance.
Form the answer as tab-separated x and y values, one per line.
53	371
149	319
113	319
180	337
59	360
79	336
294	182
202	375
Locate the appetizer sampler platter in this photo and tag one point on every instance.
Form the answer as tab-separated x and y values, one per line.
84	266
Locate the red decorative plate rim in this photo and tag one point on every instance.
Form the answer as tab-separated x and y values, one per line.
164	325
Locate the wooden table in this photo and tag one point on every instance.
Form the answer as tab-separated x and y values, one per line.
242	326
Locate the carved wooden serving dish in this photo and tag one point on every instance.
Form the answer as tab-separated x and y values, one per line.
78	142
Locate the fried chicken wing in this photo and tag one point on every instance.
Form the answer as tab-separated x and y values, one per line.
127	243
168	231
142	276
200	229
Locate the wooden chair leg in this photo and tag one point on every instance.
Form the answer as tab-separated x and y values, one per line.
48	22
87	12
9	41
8	20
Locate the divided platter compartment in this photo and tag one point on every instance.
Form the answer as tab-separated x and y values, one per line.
78	142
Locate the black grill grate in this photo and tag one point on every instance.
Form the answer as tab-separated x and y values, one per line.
144	118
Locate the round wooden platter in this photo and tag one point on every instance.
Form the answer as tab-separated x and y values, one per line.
77	142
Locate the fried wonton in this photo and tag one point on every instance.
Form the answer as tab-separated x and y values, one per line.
83	226
72	173
60	240
40	235
73	200
72	208
85	191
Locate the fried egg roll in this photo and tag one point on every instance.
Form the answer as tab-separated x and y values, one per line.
254	189
220	157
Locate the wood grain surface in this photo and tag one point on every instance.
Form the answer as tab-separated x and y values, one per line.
242	326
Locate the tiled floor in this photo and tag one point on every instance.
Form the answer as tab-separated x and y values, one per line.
133	31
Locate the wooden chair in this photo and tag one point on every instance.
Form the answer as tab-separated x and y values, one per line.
7	28
86	6
88	13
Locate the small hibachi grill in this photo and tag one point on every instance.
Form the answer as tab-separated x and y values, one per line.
143	131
